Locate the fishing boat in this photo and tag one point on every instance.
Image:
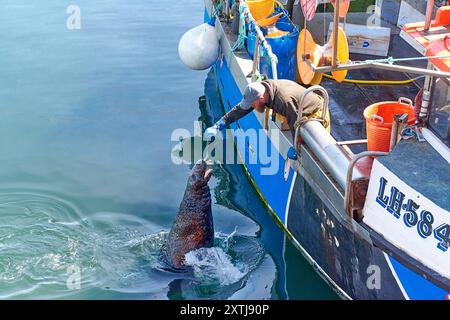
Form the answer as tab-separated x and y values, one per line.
366	203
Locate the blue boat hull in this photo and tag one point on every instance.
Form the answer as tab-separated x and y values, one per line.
350	264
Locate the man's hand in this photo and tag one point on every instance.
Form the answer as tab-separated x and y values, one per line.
212	131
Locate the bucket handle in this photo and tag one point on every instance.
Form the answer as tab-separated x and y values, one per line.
374	116
405	101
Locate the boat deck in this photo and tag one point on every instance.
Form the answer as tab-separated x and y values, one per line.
348	101
422	156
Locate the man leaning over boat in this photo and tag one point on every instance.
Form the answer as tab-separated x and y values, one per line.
282	96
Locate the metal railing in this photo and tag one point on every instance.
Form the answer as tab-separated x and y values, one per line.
378	65
326	101
348	197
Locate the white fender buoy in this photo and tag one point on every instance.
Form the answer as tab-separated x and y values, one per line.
199	47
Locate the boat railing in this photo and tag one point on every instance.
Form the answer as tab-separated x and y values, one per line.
338	162
322	144
355	192
326	102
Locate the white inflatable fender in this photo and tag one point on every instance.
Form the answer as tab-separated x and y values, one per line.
199	47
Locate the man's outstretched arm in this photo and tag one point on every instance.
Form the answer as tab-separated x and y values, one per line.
231	116
235	114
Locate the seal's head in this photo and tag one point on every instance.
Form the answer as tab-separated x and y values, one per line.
200	175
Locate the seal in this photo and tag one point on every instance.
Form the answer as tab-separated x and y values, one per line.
193	227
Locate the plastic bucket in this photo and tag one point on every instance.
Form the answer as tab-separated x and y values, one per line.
284	47
379	118
283	24
261	9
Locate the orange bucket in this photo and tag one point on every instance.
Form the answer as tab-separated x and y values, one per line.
379	119
261	9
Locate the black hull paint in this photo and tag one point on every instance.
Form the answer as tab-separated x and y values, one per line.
343	256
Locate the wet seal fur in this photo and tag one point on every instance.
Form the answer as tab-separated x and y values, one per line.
193	227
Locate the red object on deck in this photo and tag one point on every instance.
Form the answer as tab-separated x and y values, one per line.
436	40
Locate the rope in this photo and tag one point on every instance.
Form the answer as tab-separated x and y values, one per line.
303	120
280	4
216	11
304	39
391	60
324	23
240	42
376	82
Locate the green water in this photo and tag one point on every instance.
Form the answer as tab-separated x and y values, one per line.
86	174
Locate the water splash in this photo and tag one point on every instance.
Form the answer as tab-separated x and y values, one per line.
212	264
225	243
